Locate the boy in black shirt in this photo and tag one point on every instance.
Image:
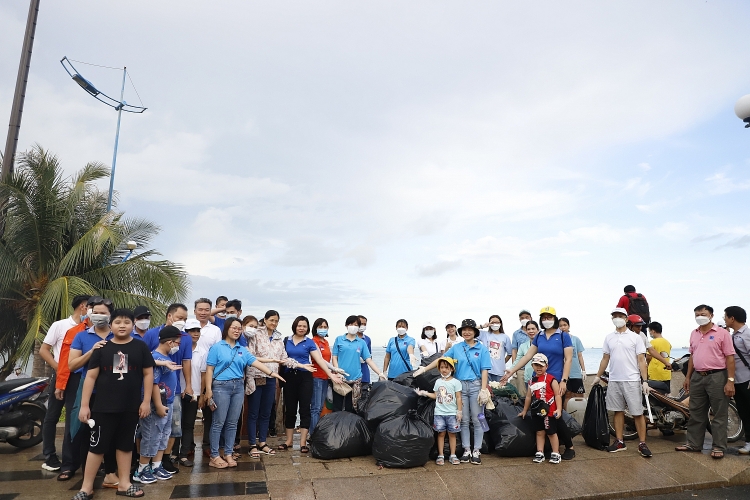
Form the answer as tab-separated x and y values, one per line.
117	371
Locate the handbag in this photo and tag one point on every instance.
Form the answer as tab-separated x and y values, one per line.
539	407
342	388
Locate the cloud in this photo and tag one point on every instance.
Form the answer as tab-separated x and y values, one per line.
720	183
741	242
708	237
437	268
644	166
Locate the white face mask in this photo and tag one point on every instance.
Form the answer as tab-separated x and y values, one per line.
548	323
524	321
174	350
619	322
251	331
352	329
495	327
222	314
401	331
228	316
142	324
179	325
100	320
362	328
429	333
702	320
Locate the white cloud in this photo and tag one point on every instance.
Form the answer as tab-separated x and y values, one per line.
644	166
438	268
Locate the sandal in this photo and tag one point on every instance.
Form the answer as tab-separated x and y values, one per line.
688	448
440	460
253	452
65	475
283	447
218	462
717	454
236	447
133	492
267	450
112	486
82	495
304	449
230	462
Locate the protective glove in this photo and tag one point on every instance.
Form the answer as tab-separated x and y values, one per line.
646	388
419	371
490	405
583	376
596	381
382	377
484	397
420	392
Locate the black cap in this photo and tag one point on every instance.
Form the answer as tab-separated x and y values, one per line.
169	332
470	323
141	311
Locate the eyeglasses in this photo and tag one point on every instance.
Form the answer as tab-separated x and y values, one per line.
95	301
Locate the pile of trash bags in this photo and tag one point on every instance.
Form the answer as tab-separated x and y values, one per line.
404	441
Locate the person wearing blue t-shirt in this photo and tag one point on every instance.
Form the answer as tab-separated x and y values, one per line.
558	347
519	336
345	355
298	389
472	366
176	316
398	352
155	428
365	369
225	369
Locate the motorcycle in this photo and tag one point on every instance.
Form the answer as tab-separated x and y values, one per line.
22	411
670	413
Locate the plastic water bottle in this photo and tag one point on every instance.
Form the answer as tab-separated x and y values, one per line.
483	421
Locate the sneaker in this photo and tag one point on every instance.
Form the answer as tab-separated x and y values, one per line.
569	454
745	450
616	446
466	457
454	460
169	466
538	458
475	458
643	449
555	458
161	474
145	476
52	463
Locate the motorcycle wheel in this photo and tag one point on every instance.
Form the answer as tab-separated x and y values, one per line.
34	435
629	432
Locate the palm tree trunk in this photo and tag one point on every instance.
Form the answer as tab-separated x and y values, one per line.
38	365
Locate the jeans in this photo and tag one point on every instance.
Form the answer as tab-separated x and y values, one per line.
176	417
189	412
491	377
228	395
320	390
259	406
297	394
49	427
469	394
708	392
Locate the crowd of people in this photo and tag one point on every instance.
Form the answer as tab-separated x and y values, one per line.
133	392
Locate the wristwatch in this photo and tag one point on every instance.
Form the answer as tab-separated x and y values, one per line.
731	379
565	380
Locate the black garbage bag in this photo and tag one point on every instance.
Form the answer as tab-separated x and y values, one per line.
340	435
426	409
406	379
403	441
512	435
573	426
388	399
595	420
425	381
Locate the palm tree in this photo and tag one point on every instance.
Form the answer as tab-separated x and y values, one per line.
59	241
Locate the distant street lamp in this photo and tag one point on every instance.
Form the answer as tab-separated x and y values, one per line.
132	245
119	106
742	109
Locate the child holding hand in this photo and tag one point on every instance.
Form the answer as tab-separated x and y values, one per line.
448	408
544	389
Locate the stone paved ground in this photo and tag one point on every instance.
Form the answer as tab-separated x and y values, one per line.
291	475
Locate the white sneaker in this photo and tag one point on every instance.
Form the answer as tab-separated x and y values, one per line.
745	450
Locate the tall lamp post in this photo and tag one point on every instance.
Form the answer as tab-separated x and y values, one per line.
742	109
119	106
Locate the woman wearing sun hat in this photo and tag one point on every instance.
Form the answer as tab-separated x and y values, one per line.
558	347
472	366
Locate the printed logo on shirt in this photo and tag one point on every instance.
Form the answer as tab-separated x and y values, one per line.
120	364
495	350
476	354
443	396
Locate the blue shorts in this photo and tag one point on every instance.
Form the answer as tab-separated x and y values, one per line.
154	433
443	423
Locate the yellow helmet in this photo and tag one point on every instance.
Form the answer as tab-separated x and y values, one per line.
548	310
450	361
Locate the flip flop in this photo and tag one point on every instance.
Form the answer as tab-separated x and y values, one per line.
65	475
82	495
717	454
304	449
687	448
112	486
132	492
283	447
267	450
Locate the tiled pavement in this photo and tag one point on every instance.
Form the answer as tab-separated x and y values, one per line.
291	475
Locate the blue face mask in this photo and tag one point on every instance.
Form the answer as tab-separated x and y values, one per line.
323	333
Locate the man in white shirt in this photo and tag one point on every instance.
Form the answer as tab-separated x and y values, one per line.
210	333
50	352
625	353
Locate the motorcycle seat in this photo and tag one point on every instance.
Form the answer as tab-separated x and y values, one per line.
8	385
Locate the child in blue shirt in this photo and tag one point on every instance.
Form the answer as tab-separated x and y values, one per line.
448	408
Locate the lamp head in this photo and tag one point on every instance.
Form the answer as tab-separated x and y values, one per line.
85	84
742	109
132	245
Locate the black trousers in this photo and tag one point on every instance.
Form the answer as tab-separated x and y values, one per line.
742	398
297	394
563	433
187	441
342	403
207	420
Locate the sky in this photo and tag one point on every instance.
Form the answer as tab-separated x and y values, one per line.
432	161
